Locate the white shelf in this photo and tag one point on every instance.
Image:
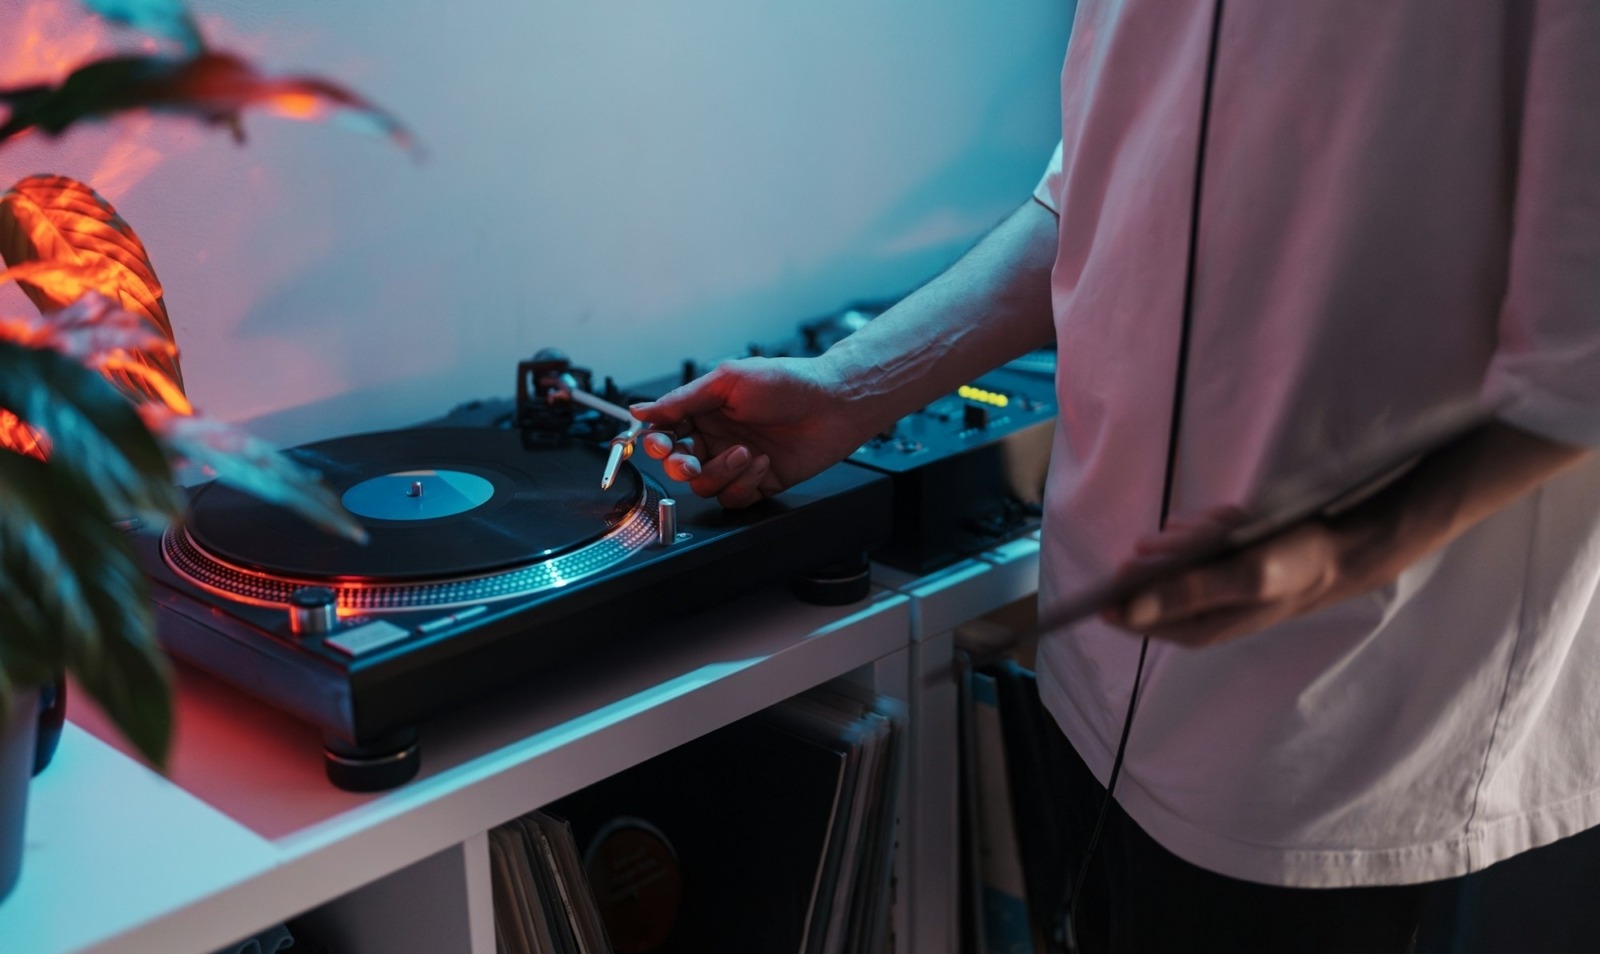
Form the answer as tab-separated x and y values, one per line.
941	601
247	833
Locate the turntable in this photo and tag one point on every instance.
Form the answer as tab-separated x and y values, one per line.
494	555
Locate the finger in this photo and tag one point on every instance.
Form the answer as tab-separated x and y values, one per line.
771	485
746	488
1223	599
657	444
1298	568
720	471
1212	629
680	458
662	444
1224	585
682	467
696	397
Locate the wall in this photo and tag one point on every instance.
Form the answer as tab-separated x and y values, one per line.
634	181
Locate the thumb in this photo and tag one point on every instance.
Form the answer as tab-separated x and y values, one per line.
696	397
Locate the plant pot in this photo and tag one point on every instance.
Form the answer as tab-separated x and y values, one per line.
18	734
52	717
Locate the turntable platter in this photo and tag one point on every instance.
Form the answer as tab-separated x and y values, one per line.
439	504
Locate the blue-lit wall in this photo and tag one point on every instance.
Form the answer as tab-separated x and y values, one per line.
634	181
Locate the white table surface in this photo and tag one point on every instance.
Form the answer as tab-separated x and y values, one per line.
245	831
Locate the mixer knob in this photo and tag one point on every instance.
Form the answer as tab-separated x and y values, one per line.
313	609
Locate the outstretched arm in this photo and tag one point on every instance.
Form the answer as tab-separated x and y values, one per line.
753	427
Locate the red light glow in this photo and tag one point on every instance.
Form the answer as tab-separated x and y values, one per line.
51	37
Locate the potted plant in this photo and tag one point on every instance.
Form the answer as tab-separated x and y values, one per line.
95	428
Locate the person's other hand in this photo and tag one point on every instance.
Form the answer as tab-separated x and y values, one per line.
751	428
1288	575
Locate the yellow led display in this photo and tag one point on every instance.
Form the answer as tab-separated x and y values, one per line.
991	398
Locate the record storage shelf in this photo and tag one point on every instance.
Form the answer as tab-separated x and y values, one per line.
245	832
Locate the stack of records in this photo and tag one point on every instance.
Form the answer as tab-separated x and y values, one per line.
542	901
850	902
1015	846
773	834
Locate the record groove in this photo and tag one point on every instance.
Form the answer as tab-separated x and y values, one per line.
544	523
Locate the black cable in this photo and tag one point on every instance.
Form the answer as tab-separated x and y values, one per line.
1069	926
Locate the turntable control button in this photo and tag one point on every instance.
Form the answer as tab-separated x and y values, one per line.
368	638
667	522
445	622
313	609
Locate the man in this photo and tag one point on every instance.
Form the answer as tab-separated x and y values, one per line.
1398	213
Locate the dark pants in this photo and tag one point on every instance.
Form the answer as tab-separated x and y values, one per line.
1140	898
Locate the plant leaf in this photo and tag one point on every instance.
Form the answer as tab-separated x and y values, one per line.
30	659
89	426
80	601
61	240
92	329
213	87
125	671
98	334
164	18
233	457
17	437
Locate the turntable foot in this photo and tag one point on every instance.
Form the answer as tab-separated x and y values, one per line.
385	762
847	581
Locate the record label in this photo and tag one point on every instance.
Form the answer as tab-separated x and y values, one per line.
417	495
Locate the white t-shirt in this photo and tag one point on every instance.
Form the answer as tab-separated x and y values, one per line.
1401	210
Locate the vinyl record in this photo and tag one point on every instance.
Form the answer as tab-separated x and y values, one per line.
438	503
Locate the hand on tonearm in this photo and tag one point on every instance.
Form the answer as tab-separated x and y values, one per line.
754	427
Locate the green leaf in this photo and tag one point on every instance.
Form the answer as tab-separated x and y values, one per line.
163	18
92	330
124	669
33	655
212	87
78	600
250	465
92	430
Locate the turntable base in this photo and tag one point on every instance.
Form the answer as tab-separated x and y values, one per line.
493	562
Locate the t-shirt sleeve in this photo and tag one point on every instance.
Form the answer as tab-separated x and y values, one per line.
1048	192
1546	367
